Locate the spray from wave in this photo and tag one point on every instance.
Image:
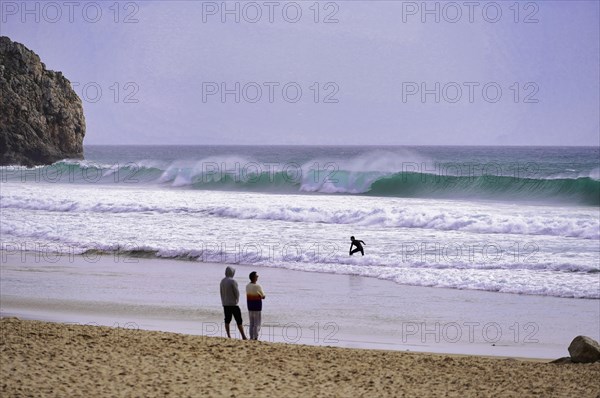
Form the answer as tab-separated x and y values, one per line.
377	173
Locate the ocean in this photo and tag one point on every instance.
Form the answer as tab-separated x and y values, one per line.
522	220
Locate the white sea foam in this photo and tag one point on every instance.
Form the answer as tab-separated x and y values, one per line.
527	249
389	214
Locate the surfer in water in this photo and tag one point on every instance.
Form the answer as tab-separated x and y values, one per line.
358	244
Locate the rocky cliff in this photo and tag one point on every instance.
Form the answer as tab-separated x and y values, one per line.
41	117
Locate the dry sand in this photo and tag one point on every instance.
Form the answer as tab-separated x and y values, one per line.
52	359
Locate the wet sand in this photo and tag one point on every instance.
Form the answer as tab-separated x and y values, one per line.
345	311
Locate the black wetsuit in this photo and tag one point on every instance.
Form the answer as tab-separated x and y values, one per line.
359	248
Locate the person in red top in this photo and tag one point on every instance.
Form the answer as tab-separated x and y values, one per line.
254	298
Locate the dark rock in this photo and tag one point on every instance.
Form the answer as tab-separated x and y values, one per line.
562	360
584	349
41	117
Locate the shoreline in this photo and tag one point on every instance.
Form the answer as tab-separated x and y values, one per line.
302	307
54	359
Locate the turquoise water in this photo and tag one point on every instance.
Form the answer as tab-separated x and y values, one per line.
506	219
534	174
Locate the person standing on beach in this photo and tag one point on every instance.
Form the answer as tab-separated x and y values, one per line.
229	298
254	298
358	244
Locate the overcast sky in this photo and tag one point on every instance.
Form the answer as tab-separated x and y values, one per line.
494	73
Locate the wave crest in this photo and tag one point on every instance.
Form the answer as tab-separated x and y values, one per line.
376	174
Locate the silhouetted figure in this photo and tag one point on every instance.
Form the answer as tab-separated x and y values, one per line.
358	244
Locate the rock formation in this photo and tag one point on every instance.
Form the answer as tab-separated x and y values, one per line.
41	117
584	349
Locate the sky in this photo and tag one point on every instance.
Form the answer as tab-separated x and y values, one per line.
323	73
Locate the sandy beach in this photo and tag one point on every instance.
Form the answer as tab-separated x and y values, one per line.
52	359
415	183
344	311
153	327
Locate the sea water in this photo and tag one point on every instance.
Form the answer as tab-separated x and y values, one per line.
520	220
